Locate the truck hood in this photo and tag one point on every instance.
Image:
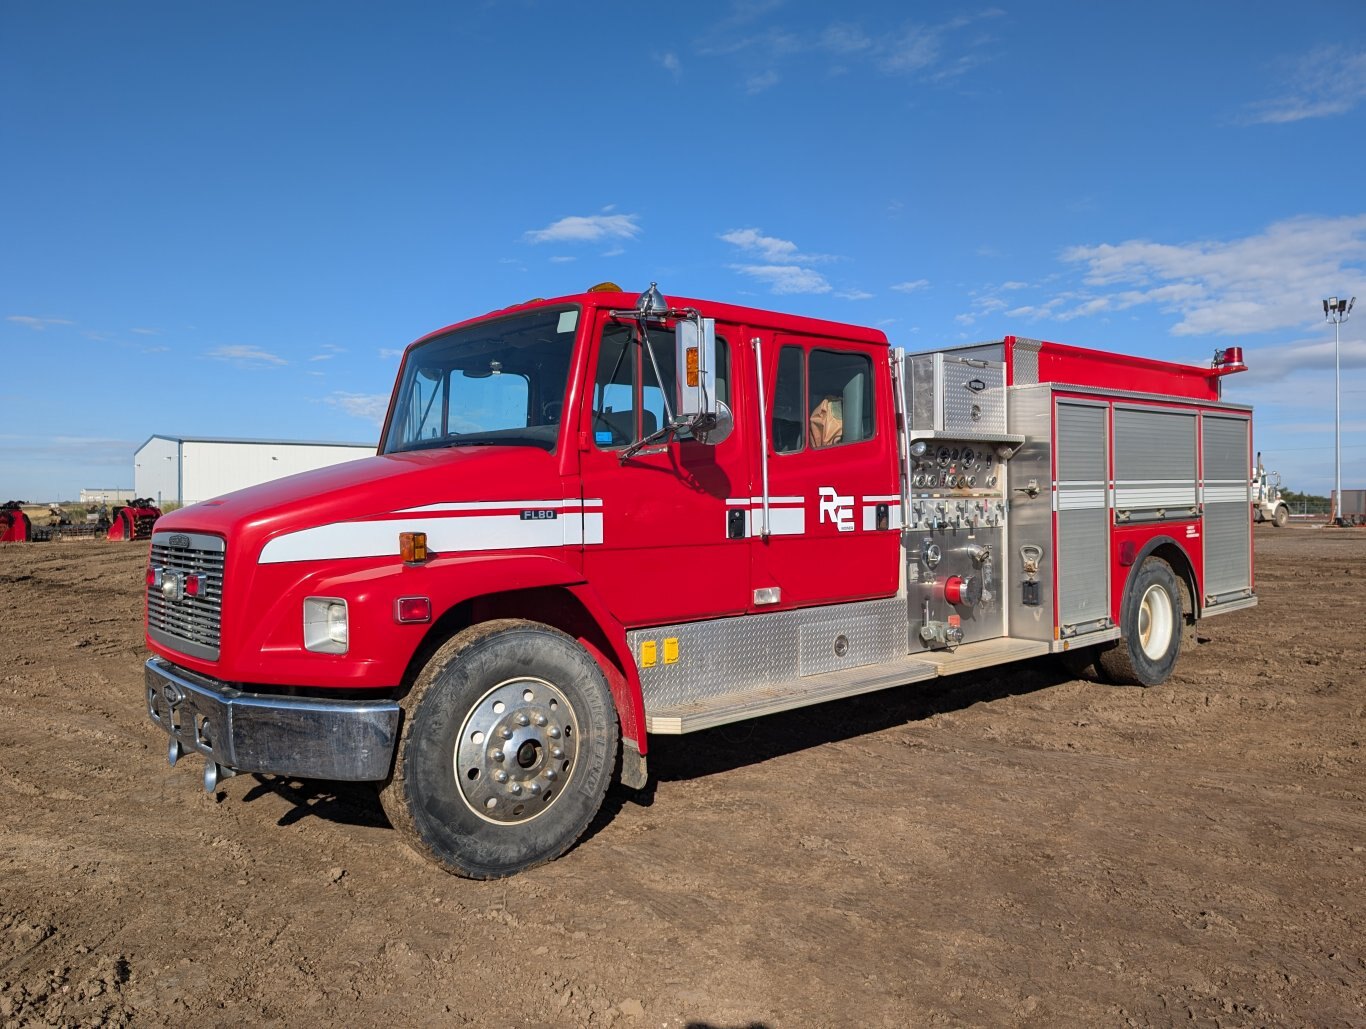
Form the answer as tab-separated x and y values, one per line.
373	488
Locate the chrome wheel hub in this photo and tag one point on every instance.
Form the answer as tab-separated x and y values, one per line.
516	750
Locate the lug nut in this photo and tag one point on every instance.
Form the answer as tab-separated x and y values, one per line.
554	732
506	733
498	755
523	719
557	752
516	788
540	719
550	774
500	776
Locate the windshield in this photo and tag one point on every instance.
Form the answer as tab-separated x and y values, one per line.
499	382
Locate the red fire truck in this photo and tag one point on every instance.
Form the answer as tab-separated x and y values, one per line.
603	516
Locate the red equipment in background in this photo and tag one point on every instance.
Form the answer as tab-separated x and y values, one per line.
132	521
135	520
15	526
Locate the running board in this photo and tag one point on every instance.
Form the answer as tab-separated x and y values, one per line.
725	708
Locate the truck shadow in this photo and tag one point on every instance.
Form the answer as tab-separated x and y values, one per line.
346	803
710	752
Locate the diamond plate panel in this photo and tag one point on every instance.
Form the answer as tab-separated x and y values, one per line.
751	652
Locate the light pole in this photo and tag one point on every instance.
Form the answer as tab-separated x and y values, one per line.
1337	310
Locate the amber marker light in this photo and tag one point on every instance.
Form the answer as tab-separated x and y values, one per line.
692	366
412	546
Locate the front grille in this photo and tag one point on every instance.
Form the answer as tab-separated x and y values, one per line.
188	624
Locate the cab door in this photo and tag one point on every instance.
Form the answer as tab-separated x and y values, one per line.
834	506
667	551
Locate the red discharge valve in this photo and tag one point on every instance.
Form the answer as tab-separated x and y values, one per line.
963	592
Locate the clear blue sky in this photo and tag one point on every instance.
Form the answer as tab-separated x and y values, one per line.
228	219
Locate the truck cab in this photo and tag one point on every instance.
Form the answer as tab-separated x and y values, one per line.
605	515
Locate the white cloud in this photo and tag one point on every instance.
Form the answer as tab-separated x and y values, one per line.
671	64
771	248
246	356
146	332
1273	363
329	351
587	229
370	406
562	259
761	81
1260	283
786	278
911	286
853	294
37	324
387	353
931	52
1329	81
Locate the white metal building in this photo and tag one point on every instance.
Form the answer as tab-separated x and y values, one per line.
188	469
109	495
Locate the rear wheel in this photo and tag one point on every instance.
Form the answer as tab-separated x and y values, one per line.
508	743
1282	516
1150	630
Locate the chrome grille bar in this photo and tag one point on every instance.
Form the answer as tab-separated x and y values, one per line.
191	625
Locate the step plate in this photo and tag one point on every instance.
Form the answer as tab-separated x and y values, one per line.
721	709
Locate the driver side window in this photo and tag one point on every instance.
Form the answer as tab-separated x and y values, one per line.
628	398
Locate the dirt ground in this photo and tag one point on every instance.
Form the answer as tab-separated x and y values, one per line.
1013	847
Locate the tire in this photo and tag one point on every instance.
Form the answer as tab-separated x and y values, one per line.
486	809
1151	627
1282	516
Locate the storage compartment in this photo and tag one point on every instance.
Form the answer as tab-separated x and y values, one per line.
952	394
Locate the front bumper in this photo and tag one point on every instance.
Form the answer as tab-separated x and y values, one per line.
351	741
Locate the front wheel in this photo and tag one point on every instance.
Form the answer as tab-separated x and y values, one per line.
1282	516
1150	629
508	743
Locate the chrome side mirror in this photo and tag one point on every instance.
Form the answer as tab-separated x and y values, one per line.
695	363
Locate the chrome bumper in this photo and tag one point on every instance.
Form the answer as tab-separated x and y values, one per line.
252	732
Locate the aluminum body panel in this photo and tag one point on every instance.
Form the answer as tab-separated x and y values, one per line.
1227	496
1030	517
1083	539
350	741
1025	362
730	656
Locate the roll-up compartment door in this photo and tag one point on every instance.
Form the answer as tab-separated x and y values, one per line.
1083	549
1227	498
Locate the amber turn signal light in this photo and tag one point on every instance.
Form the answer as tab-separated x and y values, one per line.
412	546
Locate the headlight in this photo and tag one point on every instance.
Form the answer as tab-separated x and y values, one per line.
326	628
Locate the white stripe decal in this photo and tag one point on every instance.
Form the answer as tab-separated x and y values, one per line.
449	528
496	505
